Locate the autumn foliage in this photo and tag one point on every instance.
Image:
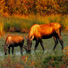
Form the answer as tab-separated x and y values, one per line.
26	7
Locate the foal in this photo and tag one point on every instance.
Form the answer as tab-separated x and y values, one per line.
13	41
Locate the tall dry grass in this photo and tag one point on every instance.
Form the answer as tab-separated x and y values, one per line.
19	22
1	28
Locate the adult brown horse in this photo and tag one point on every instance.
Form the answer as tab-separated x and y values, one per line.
38	32
13	41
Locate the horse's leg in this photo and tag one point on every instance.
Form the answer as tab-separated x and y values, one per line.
59	37
12	50
9	50
41	44
25	47
61	42
21	49
56	42
36	45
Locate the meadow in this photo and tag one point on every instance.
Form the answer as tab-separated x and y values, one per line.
16	18
37	59
20	25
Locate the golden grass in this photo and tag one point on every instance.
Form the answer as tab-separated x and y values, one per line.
46	18
1	28
26	21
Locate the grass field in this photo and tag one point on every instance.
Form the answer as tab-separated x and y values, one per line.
23	23
35	59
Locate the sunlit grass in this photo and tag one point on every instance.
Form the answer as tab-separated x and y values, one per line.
65	22
25	22
1	28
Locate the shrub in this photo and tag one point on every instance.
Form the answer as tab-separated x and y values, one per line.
54	61
6	26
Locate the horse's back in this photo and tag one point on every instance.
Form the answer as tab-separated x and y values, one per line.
17	38
44	29
13	39
56	25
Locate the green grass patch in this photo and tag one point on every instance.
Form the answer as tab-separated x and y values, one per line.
37	59
55	61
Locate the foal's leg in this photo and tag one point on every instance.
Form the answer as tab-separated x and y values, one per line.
41	44
12	50
56	42
36	45
21	49
9	50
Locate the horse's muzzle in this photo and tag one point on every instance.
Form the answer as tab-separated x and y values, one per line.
29	51
5	53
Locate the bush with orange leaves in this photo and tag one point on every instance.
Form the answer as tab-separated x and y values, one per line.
65	50
24	58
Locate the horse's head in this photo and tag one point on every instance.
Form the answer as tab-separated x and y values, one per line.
5	49
29	43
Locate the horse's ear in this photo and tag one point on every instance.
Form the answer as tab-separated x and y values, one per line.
32	37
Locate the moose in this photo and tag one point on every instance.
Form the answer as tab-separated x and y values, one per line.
44	31
13	41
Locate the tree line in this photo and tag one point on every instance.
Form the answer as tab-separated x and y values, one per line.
41	7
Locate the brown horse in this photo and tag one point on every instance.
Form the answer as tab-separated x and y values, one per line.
13	41
38	32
